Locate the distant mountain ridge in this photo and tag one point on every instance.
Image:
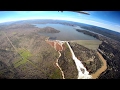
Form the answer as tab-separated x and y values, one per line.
106	32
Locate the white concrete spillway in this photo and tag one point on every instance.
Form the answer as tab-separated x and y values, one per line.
82	72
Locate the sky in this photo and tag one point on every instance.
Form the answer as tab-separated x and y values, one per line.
105	19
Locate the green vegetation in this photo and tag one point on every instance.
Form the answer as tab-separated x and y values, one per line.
68	54
88	57
67	51
14	33
67	64
25	54
56	74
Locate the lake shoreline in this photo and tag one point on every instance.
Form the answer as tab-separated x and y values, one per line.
66	32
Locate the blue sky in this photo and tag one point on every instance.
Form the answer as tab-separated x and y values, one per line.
105	19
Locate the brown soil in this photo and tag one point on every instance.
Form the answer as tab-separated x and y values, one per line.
58	47
102	69
55	44
51	43
63	47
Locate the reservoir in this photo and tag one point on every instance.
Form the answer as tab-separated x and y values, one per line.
66	32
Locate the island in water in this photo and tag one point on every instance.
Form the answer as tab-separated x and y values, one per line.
57	49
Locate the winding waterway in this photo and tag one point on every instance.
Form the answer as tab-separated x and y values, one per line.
69	33
102	69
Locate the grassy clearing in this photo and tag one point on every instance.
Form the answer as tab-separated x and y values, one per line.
90	44
56	74
67	51
14	33
25	54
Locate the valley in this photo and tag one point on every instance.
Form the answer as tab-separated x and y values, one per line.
56	50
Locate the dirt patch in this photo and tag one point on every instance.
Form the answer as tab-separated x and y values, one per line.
56	45
63	47
51	43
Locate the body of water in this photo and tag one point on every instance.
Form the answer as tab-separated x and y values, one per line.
66	32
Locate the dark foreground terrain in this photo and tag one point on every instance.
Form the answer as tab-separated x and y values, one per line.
109	48
67	63
88	57
24	54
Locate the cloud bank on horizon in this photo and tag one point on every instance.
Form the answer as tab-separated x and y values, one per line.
105	19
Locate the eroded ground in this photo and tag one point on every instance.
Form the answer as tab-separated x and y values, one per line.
26	54
65	62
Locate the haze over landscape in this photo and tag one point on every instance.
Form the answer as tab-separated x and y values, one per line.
105	19
59	45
